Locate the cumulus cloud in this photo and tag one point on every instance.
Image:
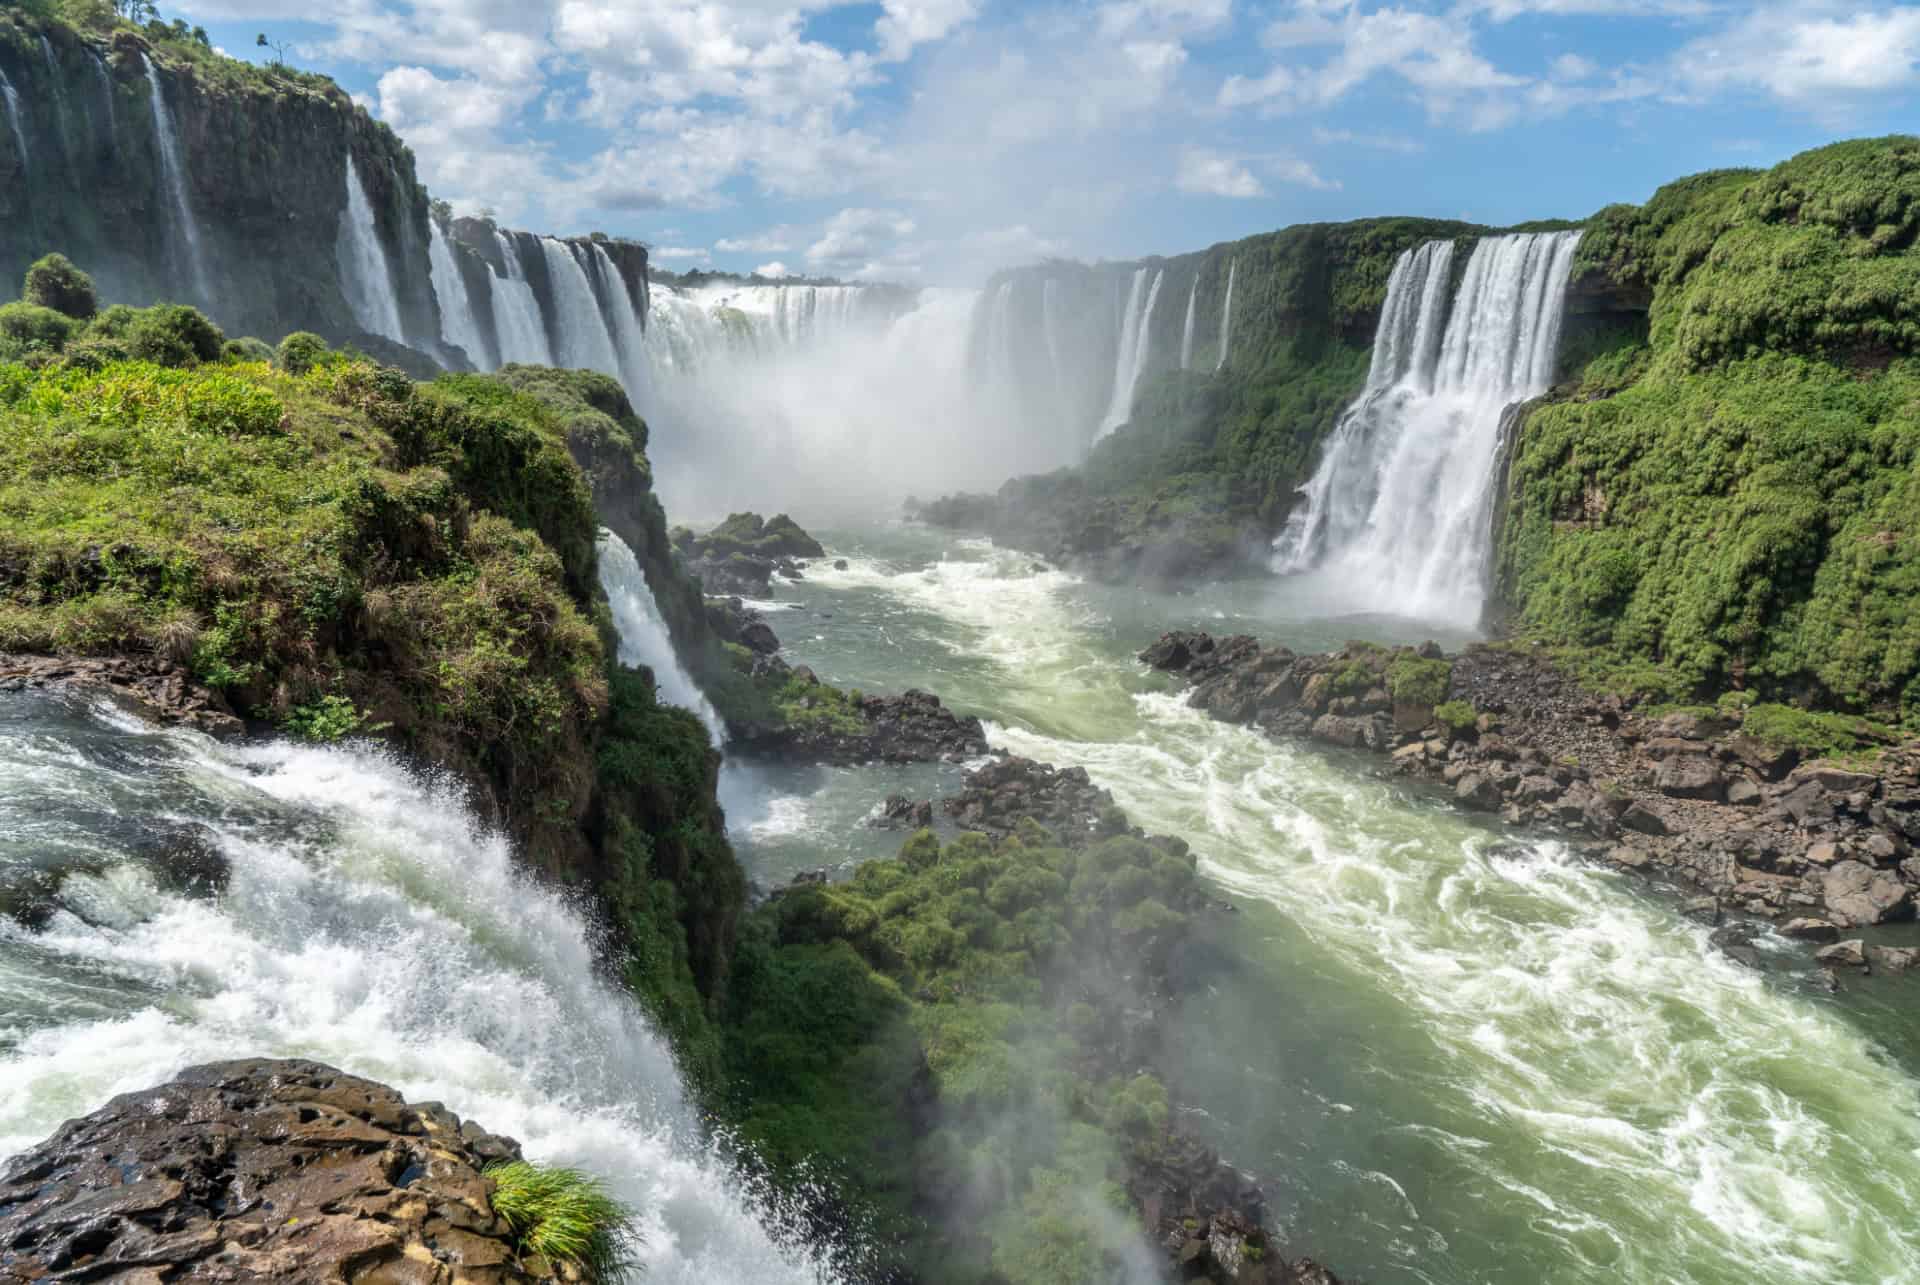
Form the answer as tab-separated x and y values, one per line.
772	271
678	252
1806	54
1208	173
777	240
856	239
906	23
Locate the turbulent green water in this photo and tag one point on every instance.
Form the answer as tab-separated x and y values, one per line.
1455	1058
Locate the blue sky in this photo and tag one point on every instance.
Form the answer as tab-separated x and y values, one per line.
935	140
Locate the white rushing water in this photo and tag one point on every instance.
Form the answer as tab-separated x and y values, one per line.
644	639
626	324
11	99
1186	330
1466	1056
173	177
516	311
458	324
366	277
1398	511
584	342
1226	315
105	80
369	922
1136	337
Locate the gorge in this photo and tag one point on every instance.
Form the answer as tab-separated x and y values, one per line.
1502	868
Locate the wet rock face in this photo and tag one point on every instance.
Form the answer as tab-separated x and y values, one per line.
743	554
260	1170
150	686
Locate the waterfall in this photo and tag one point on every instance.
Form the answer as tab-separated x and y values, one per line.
583	339
1130	358
1398	509
458	324
1186	331
106	92
516	312
1226	315
59	84
644	639
366	278
1050	327
173	175
12	100
629	330
368	919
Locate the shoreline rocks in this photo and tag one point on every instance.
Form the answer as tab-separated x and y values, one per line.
1821	847
741	556
262	1169
150	687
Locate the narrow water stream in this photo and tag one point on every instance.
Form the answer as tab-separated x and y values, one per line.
1460	1058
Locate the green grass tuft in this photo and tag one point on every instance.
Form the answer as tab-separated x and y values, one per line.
565	1216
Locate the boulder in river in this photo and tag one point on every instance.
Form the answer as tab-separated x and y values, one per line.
261	1170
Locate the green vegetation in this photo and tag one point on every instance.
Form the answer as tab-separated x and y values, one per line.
565	1217
331	718
1456	716
1816	735
986	976
53	282
1731	502
1416	681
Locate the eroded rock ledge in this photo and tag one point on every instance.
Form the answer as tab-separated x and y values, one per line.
261	1170
152	687
1820	847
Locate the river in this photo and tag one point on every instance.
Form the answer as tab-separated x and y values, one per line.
1455	1058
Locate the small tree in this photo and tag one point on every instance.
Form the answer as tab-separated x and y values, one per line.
279	48
136	10
53	282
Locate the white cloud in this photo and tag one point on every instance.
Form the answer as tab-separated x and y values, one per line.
1291	169
906	23
776	240
773	271
678	252
1805	54
856	238
1208	173
1350	138
1571	67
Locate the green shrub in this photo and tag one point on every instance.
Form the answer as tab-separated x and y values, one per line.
246	349
173	334
93	354
300	352
53	282
30	327
328	719
114	321
1813	734
566	1217
1415	681
1456	716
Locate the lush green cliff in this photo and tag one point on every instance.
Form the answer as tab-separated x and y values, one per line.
1729	494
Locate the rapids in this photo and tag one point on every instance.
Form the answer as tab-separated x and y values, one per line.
1458	1058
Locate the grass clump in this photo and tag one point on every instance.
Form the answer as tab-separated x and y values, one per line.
1456	716
1414	680
1816	735
564	1216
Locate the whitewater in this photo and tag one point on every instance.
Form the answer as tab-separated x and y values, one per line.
1455	1055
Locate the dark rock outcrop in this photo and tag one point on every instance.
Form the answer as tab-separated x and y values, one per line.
1000	794
152	687
741	556
913	727
261	1170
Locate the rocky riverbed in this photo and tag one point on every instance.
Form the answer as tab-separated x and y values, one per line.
257	1170
1818	848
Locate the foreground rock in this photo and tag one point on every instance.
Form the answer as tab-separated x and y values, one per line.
152	687
742	554
822	724
1820	845
260	1170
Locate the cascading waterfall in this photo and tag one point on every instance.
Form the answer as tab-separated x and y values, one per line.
1136	336
173	176
584	342
1186	331
1398	510
458	324
1226	316
516	311
644	639
12	100
367	920
366	278
626	324
105	78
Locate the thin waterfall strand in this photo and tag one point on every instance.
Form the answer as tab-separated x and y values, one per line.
1397	512
644	639
1186	331
516	311
1130	359
366	277
1226	315
584	342
174	178
12	100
